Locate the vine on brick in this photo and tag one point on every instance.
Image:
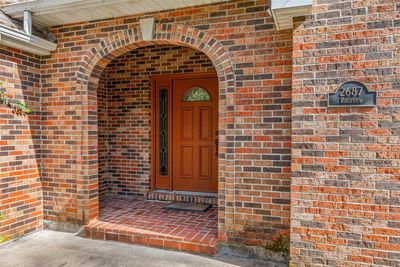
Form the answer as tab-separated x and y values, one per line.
15	104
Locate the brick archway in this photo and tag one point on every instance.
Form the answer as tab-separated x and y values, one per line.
93	65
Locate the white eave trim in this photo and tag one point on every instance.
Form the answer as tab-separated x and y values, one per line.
283	11
49	6
25	42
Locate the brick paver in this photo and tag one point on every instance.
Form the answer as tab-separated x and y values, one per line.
138	221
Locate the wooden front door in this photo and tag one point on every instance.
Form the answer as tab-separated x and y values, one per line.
195	104
192	134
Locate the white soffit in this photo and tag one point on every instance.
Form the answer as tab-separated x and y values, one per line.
59	12
283	11
25	42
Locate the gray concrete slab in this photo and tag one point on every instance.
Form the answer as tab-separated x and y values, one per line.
59	249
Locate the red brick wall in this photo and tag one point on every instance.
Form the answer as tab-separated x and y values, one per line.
20	186
345	166
124	115
102	141
255	145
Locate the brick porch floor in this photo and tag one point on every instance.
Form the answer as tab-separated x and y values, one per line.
138	221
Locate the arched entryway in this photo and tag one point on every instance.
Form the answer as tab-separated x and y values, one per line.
140	102
88	81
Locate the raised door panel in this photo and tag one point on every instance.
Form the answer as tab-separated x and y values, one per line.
205	162
185	158
186	124
205	126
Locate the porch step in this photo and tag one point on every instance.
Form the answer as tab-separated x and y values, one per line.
184	196
142	222
105	231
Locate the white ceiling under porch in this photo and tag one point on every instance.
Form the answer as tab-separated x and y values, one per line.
59	12
47	13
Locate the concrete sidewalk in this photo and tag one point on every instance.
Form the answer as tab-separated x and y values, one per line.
58	249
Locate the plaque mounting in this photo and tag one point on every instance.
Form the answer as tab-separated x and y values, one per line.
352	94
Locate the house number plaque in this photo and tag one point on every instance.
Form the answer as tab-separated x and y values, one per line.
352	94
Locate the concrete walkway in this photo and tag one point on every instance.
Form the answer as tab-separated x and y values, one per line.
58	249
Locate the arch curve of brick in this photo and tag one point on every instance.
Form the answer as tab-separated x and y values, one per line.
93	64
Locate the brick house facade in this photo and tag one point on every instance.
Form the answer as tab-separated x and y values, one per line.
286	161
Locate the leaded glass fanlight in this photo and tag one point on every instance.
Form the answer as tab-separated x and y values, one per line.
196	94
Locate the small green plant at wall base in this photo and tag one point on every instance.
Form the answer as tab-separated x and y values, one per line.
279	243
2	238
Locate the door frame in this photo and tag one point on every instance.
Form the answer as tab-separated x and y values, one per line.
168	79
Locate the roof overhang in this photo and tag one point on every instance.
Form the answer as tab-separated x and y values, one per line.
283	11
25	42
59	12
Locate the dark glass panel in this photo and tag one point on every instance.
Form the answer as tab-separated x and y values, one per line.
163	134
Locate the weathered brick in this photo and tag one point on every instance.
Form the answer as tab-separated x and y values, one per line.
20	185
346	152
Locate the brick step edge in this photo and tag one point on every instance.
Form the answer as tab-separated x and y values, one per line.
182	198
100	234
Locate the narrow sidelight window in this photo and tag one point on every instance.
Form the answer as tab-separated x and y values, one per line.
163	134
